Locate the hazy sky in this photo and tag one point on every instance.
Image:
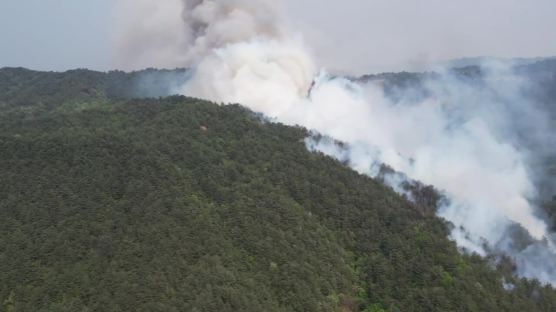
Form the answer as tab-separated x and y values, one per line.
348	35
382	34
55	34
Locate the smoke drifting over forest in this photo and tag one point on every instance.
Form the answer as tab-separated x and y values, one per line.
478	141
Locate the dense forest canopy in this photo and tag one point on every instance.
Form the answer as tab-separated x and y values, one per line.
109	202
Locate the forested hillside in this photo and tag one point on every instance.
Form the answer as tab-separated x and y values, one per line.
109	203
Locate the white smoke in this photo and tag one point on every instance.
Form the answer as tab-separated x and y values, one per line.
461	139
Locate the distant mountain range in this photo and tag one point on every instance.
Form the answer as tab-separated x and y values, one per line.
477	61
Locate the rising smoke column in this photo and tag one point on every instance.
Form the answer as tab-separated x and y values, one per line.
460	139
243	53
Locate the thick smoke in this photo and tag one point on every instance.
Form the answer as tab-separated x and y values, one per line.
475	141
242	53
465	136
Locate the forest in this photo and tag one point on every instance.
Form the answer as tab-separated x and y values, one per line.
116	198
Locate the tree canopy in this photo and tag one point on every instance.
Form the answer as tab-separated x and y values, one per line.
109	203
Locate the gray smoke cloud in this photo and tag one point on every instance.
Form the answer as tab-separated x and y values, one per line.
464	137
362	36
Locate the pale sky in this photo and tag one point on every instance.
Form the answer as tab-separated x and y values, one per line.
376	35
55	34
348	35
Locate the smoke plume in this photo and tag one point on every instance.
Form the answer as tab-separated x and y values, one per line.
465	137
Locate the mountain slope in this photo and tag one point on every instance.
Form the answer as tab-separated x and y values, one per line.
178	204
